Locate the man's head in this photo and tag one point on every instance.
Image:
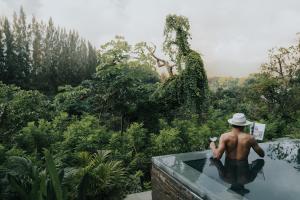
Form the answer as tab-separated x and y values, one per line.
239	121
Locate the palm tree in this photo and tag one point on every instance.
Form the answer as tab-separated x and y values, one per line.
99	177
26	179
32	182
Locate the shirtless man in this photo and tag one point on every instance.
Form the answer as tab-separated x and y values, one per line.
236	143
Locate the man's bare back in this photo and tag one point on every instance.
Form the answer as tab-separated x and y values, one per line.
237	145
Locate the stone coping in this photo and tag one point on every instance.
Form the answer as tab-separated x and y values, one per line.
139	196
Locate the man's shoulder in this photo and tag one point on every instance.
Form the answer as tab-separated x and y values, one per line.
243	135
247	137
226	135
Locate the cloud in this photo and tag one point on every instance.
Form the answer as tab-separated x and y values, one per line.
233	36
7	7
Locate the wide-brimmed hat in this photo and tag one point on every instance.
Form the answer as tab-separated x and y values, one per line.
239	119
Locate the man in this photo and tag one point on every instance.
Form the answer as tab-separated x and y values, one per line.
236	143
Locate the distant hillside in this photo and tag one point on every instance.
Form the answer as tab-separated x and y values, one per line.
224	82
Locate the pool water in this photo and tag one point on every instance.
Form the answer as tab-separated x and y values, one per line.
276	176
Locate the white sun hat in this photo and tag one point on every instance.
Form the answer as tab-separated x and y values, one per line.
239	119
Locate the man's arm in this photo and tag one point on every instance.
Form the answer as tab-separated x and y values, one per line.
218	152
257	148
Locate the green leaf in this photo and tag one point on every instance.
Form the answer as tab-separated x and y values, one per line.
18	188
53	175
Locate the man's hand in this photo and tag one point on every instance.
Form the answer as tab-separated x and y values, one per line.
212	145
218	152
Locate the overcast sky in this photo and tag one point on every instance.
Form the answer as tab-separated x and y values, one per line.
233	36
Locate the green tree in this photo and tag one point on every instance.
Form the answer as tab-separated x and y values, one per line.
10	68
91	61
21	35
43	56
20	107
132	147
73	100
123	83
114	52
281	74
121	89
37	53
273	94
167	142
51	50
86	134
37	136
2	57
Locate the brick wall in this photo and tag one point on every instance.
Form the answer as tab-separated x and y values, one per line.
164	187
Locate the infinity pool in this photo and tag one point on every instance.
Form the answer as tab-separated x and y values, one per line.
276	177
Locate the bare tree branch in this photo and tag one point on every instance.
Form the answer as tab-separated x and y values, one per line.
161	62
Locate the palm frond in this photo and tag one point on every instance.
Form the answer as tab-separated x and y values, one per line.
53	175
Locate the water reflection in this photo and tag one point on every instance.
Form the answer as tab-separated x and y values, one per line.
238	173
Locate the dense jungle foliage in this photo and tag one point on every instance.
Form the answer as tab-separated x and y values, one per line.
76	123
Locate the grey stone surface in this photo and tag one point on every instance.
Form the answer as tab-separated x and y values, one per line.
139	196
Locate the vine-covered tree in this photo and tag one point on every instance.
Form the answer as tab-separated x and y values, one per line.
188	88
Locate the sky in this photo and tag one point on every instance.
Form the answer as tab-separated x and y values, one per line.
233	36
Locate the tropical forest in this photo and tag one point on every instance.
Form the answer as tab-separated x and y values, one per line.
82	121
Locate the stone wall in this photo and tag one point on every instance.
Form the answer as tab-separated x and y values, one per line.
164	187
